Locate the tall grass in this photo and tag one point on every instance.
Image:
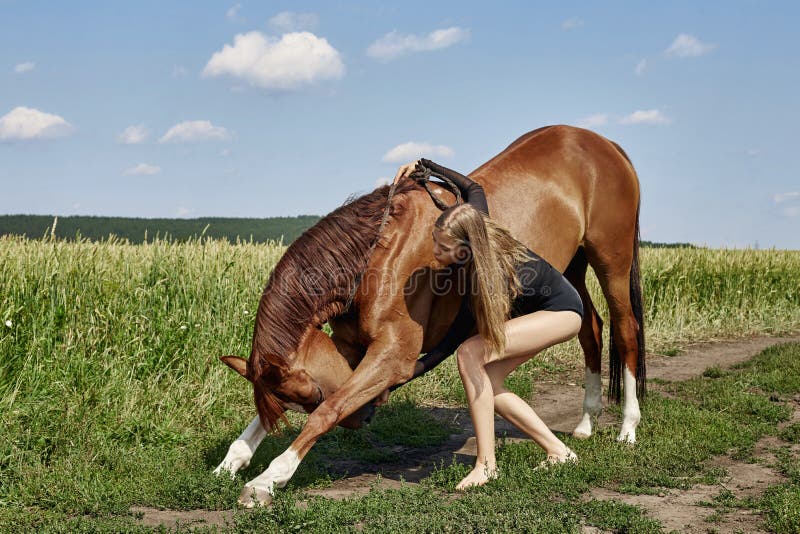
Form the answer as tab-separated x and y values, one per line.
696	294
114	347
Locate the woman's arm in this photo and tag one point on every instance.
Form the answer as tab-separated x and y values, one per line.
458	333
471	191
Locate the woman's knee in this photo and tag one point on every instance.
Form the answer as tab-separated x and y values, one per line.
470	353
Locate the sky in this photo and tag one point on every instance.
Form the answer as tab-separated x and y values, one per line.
263	109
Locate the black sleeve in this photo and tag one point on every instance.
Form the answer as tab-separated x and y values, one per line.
471	192
458	333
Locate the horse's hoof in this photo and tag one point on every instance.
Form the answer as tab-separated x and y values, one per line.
628	438
580	434
252	497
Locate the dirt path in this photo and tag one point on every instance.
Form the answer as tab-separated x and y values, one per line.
559	405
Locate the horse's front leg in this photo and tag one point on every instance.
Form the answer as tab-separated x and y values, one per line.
385	364
241	451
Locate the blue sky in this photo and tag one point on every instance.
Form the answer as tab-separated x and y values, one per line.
244	109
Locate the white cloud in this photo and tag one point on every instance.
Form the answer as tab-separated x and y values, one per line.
571	23
142	169
410	151
225	152
686	45
649	116
133	135
640	67
182	212
233	13
394	45
383	181
287	21
24	67
24	124
179	71
188	131
783	197
598	119
294	60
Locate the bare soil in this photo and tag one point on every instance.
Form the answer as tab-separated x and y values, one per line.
153	517
560	405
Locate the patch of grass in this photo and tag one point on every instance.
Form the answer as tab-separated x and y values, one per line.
618	517
725	502
790	433
633	489
713	372
403	423
44	521
711	475
671	351
772	371
782	507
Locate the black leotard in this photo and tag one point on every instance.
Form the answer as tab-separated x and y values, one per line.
543	286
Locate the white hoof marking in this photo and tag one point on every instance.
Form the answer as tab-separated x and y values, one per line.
630	411
592	404
241	451
239	455
278	473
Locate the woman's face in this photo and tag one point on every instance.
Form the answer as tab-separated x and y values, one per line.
447	250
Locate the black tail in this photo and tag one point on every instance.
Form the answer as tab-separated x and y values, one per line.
615	363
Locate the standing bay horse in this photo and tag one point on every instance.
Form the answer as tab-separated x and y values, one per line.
568	194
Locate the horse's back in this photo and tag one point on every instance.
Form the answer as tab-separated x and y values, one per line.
557	186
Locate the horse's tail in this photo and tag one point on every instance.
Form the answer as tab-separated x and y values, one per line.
615	378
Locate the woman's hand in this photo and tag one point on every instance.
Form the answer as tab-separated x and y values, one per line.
405	170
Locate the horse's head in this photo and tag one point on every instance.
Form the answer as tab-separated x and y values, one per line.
294	365
299	383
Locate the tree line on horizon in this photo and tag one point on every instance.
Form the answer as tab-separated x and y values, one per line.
139	230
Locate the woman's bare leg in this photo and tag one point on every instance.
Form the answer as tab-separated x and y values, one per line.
483	377
478	388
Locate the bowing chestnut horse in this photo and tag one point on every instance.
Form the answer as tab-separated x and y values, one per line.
567	193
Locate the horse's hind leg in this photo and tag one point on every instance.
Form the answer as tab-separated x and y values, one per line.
591	339
241	451
613	269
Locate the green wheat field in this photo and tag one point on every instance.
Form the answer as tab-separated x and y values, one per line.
112	396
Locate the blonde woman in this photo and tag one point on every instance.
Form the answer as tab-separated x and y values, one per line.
521	305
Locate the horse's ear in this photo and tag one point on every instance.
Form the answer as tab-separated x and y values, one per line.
237	364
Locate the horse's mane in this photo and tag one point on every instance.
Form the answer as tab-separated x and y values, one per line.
313	279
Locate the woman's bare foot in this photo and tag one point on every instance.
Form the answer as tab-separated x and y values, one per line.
479	476
553	459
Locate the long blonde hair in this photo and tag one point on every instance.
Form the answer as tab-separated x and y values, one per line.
493	255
